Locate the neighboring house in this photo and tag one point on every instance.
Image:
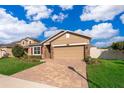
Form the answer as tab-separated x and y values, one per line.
63	45
27	41
6	49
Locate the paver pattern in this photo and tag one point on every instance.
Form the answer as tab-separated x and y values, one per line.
57	73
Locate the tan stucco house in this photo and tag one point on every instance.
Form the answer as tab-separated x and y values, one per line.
63	45
6	49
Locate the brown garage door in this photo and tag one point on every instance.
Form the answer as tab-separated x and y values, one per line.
73	52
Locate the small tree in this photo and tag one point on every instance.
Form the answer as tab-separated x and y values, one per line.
118	46
114	46
18	51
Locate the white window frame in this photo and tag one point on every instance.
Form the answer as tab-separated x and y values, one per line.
73	44
34	48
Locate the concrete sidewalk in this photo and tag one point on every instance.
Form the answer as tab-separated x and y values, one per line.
10	82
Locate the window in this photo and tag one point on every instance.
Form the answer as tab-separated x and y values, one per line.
29	42
23	43
37	51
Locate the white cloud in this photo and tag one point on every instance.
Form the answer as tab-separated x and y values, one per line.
66	7
122	18
13	29
37	11
85	32
103	33
109	42
101	13
59	18
51	31
100	31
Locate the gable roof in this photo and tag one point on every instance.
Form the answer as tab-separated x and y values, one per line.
63	32
52	36
30	38
47	39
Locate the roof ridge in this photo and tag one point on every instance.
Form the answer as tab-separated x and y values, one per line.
64	31
52	36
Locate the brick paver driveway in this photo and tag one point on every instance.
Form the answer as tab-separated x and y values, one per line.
58	73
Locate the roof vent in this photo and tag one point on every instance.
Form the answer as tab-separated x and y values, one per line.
67	35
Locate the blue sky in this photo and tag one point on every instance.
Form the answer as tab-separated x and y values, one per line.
104	24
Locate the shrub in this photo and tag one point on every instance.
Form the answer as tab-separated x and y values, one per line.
31	58
18	51
87	59
95	61
90	60
118	46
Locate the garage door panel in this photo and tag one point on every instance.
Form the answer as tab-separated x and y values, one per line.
75	52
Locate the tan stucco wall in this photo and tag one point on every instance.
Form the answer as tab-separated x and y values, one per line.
48	41
67	38
72	39
106	53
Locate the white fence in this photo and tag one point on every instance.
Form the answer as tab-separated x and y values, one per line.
106	53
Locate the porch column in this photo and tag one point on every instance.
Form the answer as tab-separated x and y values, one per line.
51	54
43	52
30	51
87	50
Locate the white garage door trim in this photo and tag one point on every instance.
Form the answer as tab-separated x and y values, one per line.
73	44
69	52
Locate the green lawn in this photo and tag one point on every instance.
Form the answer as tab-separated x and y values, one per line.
9	66
107	74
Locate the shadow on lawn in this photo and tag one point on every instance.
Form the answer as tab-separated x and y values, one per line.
121	63
84	77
